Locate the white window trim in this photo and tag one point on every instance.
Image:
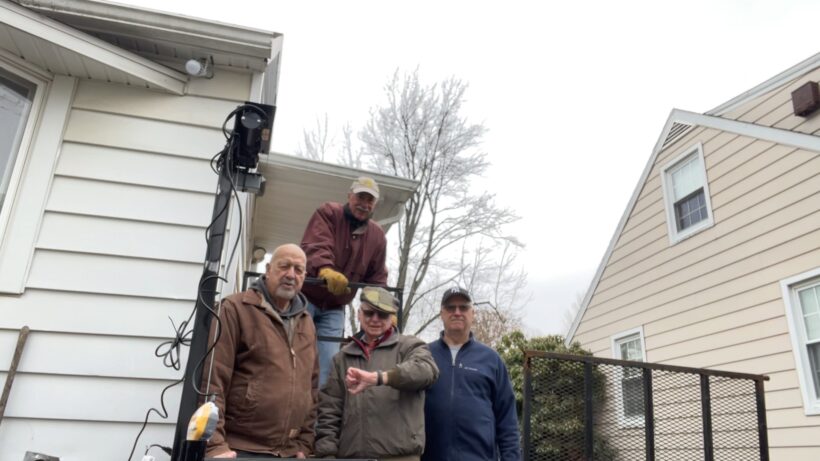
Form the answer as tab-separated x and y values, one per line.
32	172
41	87
797	333
616	339
676	236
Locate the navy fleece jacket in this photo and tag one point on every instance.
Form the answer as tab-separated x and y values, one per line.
469	413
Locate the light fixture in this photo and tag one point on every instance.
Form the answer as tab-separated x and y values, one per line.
258	254
200	67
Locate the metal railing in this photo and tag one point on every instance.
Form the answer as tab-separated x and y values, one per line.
249	277
589	408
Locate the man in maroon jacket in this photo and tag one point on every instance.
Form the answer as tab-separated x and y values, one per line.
343	245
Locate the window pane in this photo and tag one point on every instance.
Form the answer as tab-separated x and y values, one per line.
814	361
15	104
686	177
811	311
632	390
690	210
631	349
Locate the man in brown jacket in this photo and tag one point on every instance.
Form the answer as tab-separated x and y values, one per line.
373	403
265	370
342	245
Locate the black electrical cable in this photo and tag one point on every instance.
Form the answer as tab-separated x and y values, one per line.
171	349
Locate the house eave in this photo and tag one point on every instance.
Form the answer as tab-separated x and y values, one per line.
95	16
296	186
73	40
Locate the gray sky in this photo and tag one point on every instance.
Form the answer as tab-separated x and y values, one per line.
574	93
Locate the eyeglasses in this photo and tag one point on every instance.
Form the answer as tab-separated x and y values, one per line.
450	308
369	313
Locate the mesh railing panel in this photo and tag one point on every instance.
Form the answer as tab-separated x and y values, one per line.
628	423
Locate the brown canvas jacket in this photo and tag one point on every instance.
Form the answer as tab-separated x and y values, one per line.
358	253
265	376
383	421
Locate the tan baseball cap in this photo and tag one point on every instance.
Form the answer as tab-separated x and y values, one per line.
379	299
365	184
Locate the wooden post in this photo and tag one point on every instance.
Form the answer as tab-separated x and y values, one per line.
15	360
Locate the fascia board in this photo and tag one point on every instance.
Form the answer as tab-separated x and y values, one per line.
173	27
301	163
775	135
91	47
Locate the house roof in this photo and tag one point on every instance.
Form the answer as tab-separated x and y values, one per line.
778	80
296	186
124	44
680	122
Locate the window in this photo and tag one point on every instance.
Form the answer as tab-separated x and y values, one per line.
16	97
801	295
686	194
629	345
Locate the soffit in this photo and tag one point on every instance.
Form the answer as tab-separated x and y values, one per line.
295	187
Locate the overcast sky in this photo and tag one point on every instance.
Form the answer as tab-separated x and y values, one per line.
574	93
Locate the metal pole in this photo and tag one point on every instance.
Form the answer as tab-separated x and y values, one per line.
206	297
648	415
588	433
15	360
762	427
526	411
706	411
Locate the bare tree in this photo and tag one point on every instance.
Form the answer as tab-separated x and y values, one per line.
421	134
572	311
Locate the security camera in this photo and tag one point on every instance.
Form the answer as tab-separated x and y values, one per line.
202	67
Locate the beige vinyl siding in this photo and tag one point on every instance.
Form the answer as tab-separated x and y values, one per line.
714	300
119	250
775	108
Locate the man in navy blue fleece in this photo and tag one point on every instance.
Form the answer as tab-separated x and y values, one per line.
469	413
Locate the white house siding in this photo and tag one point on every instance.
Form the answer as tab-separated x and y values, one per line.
119	251
713	300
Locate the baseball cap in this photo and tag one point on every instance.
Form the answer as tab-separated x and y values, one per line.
379	299
456	291
365	184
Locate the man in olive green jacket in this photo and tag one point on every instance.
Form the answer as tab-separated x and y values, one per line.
373	403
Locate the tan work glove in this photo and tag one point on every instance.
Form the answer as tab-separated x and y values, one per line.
336	281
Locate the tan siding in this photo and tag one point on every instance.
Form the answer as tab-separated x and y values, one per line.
714	300
794	453
708	320
754	110
743	276
699	264
749	206
751	223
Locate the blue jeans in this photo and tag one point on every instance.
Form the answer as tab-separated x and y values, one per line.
329	322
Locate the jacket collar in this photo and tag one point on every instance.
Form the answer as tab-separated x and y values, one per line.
444	344
255	296
356	344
